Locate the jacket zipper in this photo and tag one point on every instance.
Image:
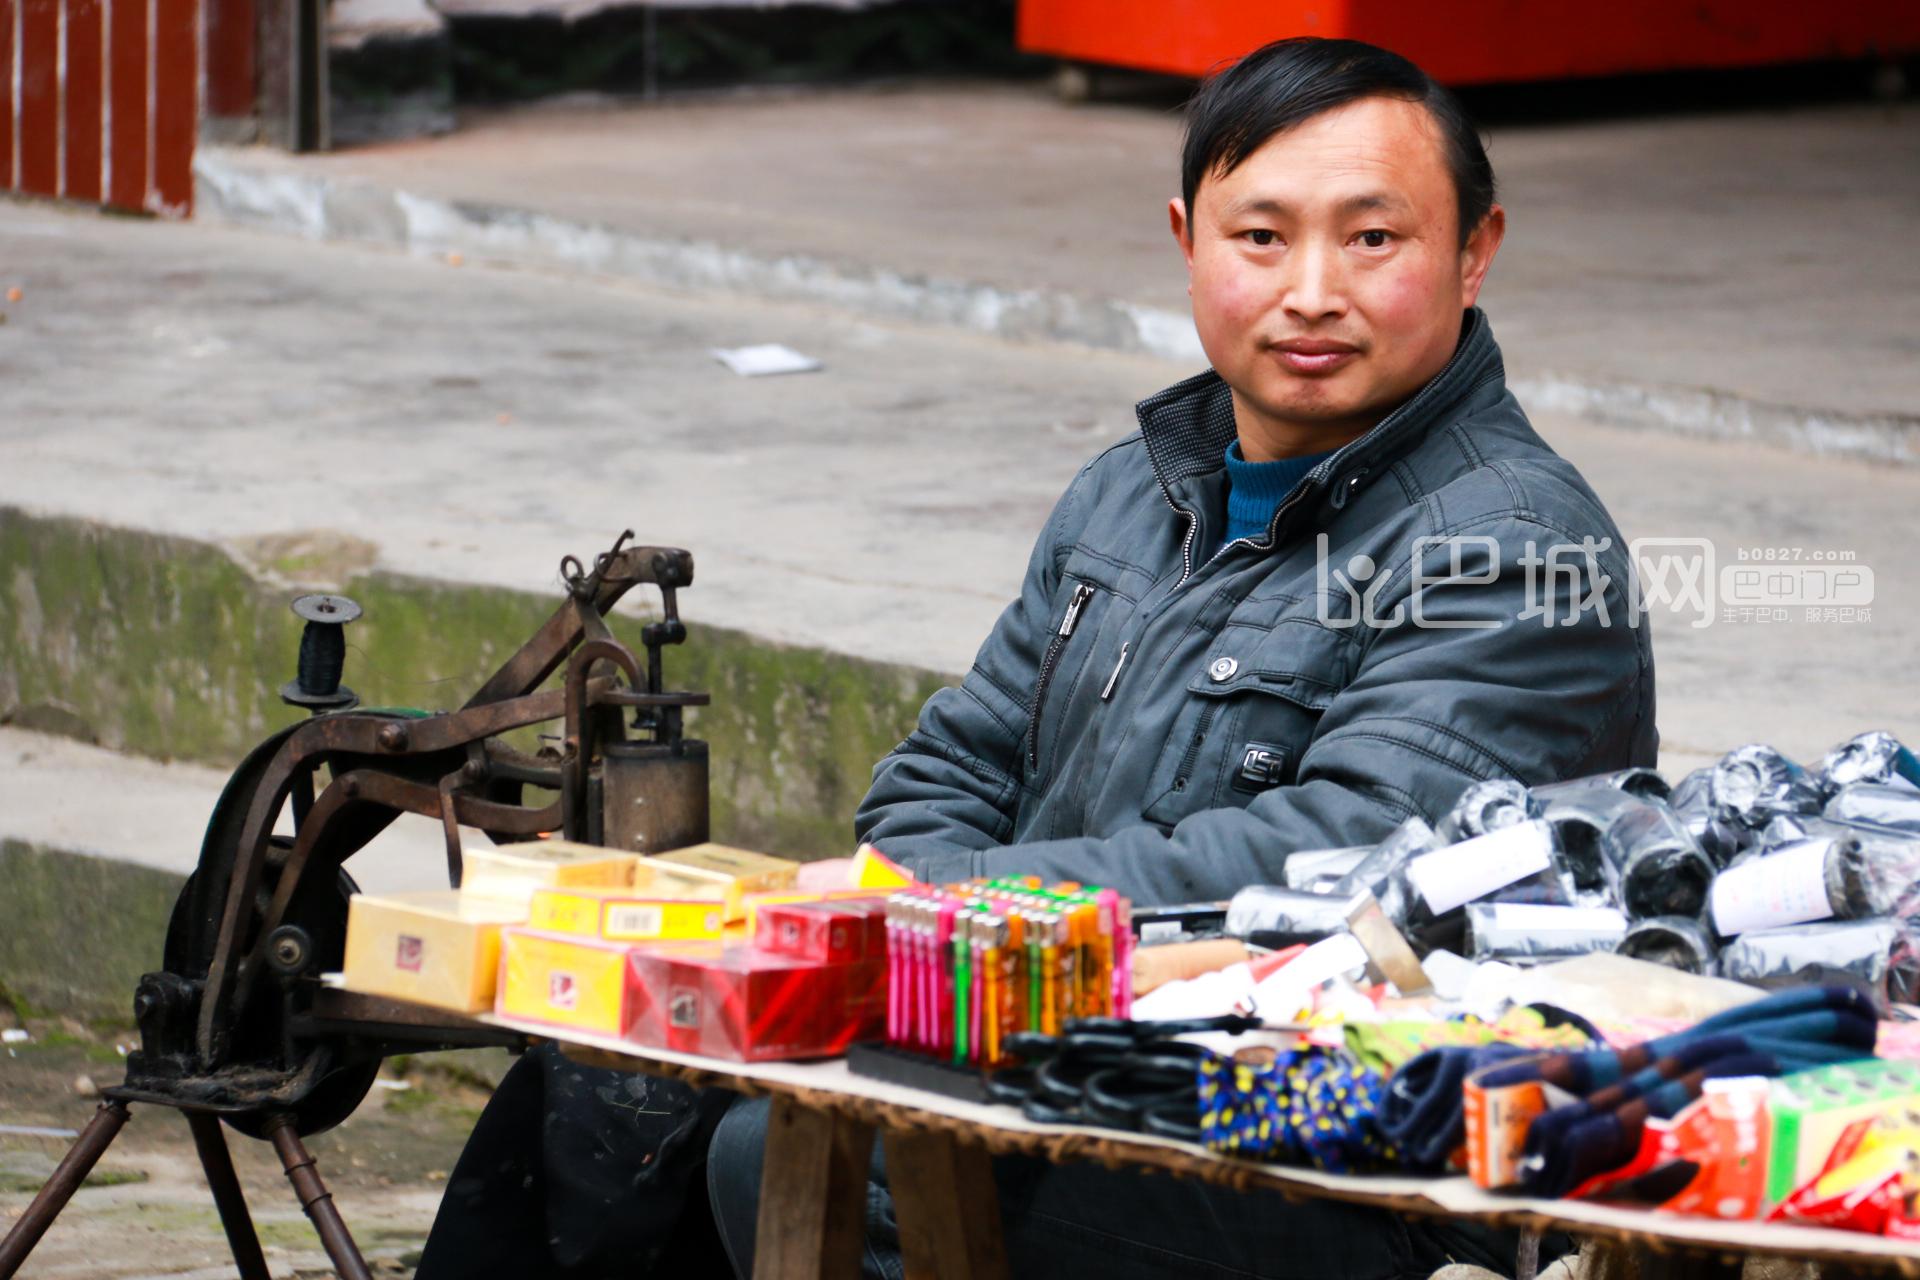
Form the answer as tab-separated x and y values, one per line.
1076	603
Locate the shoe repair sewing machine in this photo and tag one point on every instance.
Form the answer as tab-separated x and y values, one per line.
236	1025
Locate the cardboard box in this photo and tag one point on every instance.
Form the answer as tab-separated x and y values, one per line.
1809	1111
747	1005
713	871
440	948
757	902
825	932
622	915
873	869
514	871
580	983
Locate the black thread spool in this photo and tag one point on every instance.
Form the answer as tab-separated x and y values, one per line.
323	655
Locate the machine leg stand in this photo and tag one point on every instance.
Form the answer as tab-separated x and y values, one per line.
72	1171
227	1196
315	1199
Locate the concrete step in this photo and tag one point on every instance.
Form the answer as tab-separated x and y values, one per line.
1652	276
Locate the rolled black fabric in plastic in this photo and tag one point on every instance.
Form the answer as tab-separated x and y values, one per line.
1633	852
1855	951
1317	869
1692	803
1533	934
1891	808
1454	875
1889	871
1638	781
1753	783
1823	877
1677	942
1267	908
1383	871
1876	757
1486	806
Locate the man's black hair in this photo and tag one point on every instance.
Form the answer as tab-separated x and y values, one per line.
1288	82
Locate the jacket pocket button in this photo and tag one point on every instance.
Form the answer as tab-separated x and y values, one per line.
1222	669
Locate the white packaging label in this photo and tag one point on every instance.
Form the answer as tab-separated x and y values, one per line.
1538	918
1456	875
633	920
1789	887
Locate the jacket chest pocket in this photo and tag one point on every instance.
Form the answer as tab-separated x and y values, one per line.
1078	619
1246	718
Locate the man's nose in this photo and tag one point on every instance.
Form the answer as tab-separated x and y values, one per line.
1315	283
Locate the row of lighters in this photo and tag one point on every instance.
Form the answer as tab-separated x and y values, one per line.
970	964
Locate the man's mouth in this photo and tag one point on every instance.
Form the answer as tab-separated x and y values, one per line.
1313	355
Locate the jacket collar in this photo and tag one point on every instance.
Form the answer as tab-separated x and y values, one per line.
1188	427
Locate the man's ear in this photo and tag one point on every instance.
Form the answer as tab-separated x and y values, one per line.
1182	233
1478	255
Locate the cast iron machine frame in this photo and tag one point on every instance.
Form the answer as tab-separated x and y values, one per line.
236	1025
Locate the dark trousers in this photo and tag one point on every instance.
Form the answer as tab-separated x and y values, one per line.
576	1173
1081	1220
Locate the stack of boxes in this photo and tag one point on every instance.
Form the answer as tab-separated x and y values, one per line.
707	950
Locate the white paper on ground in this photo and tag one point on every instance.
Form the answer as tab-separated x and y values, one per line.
767	358
1456	875
1789	887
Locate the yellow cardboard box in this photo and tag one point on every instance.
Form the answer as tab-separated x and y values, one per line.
582	983
514	871
716	872
439	947
624	915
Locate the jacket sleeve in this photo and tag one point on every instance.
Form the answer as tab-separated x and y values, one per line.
1429	711
954	785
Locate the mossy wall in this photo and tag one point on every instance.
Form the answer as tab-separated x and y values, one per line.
170	648
76	933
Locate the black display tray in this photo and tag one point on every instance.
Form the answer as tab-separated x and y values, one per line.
878	1060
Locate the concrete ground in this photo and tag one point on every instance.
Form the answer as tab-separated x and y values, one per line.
1738	274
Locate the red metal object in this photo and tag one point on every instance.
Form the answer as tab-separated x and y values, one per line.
176	95
127	80
82	34
38	110
7	182
1476	41
230	38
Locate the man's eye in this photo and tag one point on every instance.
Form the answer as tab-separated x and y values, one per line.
1376	239
1262	238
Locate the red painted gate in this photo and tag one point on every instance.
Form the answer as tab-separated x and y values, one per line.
100	101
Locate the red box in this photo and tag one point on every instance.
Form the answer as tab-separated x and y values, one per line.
748	1005
824	932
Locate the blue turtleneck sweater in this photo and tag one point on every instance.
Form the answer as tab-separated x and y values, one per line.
1256	489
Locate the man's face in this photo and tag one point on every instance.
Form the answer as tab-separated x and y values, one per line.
1327	273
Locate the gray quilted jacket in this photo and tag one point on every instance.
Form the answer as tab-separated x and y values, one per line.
1174	724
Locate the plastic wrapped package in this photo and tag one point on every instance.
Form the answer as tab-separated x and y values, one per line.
1422	883
1678	942
1692	803
1877	757
1867	804
1523	932
1891	860
1838	876
1629	851
1486	806
1318	869
1753	783
1300	915
1637	781
1856	951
